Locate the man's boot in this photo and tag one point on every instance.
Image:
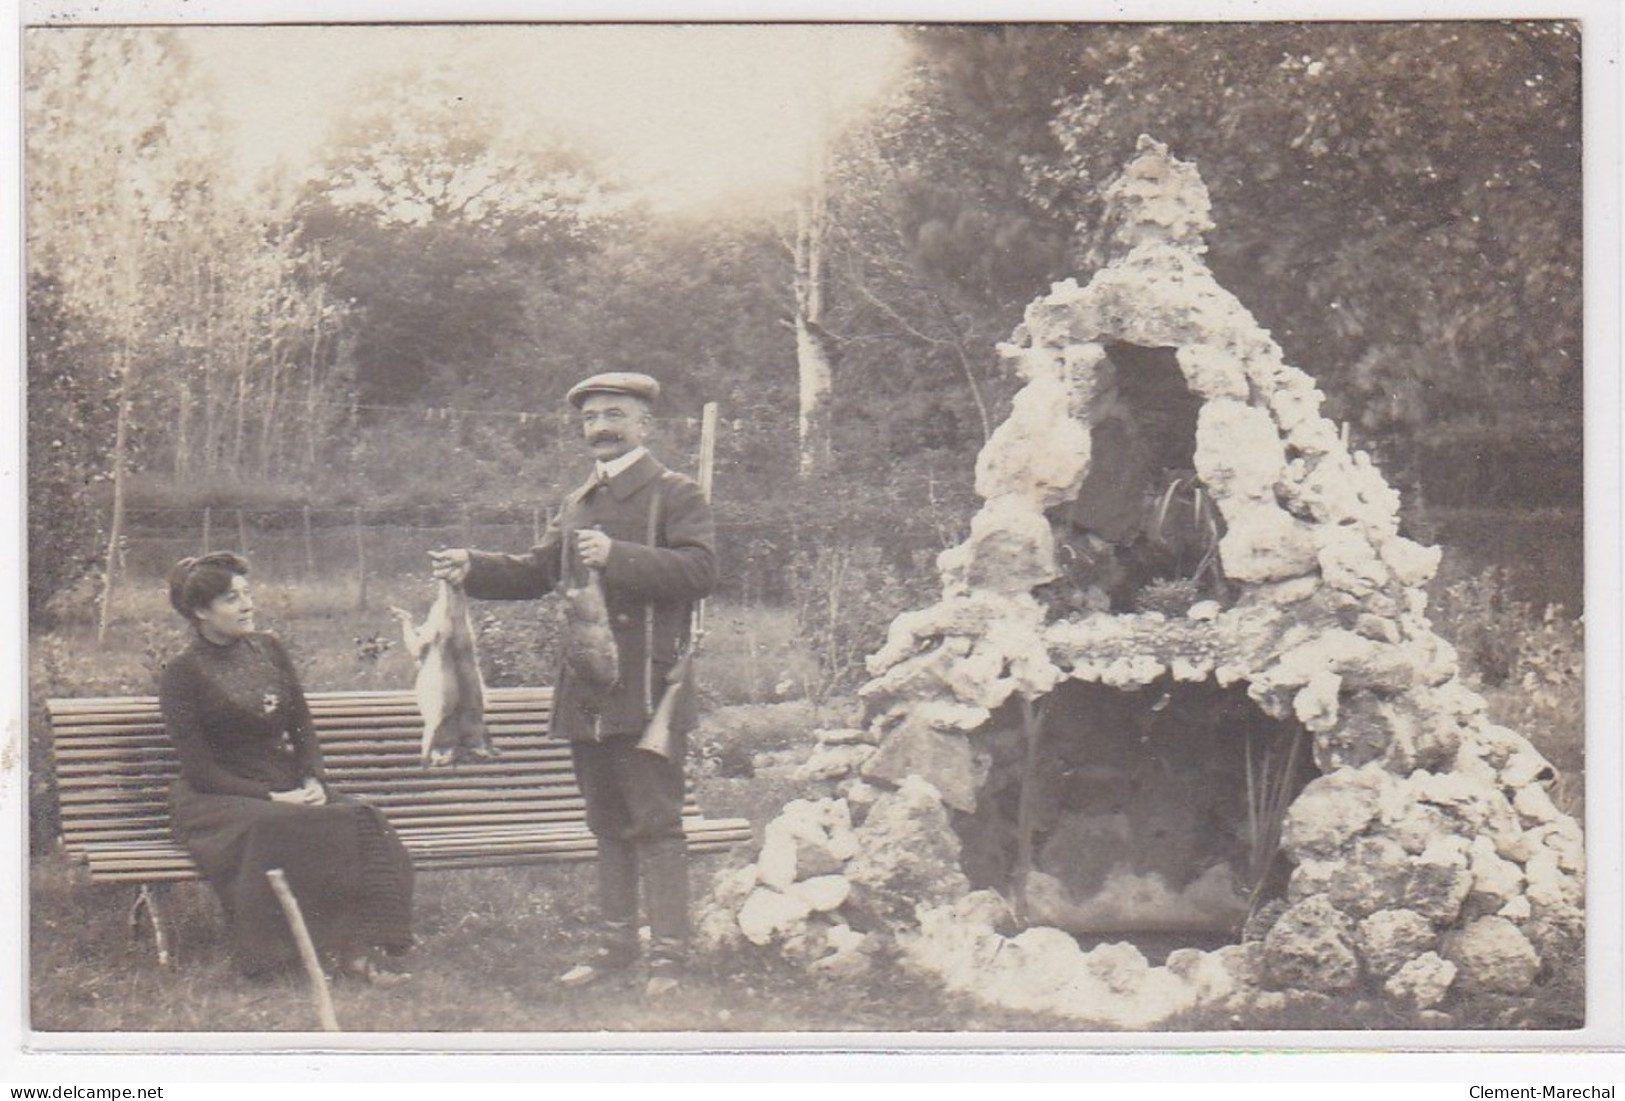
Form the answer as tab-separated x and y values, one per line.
665	970
617	950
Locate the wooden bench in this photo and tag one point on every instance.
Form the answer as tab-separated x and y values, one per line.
114	765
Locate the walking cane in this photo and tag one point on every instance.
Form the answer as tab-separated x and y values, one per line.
307	950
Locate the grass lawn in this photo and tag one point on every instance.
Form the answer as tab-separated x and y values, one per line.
492	940
490	943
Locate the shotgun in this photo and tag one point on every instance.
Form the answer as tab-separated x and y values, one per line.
658	736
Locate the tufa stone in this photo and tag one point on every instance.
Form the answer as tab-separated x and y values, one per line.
1310	947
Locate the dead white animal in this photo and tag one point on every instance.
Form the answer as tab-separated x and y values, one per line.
450	690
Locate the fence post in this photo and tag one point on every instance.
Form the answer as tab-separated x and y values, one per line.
708	445
360	564
310	553
242	535
208	536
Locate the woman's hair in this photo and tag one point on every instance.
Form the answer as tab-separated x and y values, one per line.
197	582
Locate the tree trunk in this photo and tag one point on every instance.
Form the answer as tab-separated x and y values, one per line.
211	405
241	425
183	427
814	359
190	344
115	535
815	354
311	431
211	421
965	365
360	564
268	425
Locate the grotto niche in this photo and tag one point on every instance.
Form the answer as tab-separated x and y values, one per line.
1149	814
1178	733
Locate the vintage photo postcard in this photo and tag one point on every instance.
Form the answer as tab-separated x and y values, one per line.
887	533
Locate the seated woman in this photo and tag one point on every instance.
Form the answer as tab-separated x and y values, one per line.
251	794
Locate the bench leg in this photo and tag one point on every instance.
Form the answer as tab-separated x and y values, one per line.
148	900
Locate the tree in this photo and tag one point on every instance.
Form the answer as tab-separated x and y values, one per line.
248	343
115	148
934	251
815	356
71	417
437	220
1397	202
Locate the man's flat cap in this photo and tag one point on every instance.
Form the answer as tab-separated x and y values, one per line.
615	382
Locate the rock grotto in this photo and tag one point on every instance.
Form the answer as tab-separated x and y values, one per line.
1178	733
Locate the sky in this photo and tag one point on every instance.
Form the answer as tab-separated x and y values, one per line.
693	115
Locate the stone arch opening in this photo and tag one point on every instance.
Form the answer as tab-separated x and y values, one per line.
1152	814
1141	532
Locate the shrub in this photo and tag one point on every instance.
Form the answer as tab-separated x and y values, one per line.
846	598
71	415
1529	664
518	641
751	654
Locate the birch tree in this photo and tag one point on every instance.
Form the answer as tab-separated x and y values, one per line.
814	354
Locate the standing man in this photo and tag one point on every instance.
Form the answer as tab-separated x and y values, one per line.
648	533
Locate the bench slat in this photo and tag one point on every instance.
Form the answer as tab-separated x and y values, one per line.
115	765
141	710
488	832
113	816
360	732
494	696
97	834
384	758
466	850
395	770
423	843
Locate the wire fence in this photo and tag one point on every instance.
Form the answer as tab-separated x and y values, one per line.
763	554
758	551
361	551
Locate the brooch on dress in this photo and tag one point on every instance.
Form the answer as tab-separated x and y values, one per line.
270	701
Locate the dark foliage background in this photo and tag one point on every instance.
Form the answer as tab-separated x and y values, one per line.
1399	203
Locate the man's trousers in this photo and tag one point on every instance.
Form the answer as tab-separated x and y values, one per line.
634	804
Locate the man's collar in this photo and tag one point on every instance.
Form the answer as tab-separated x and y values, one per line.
627	474
622	462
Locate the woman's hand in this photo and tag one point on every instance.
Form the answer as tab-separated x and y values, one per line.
309	794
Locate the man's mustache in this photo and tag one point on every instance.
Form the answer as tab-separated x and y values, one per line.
605	437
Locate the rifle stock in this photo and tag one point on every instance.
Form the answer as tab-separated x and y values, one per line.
658	737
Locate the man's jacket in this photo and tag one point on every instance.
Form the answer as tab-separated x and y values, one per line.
650	586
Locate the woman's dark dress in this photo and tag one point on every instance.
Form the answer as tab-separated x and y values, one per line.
242	729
